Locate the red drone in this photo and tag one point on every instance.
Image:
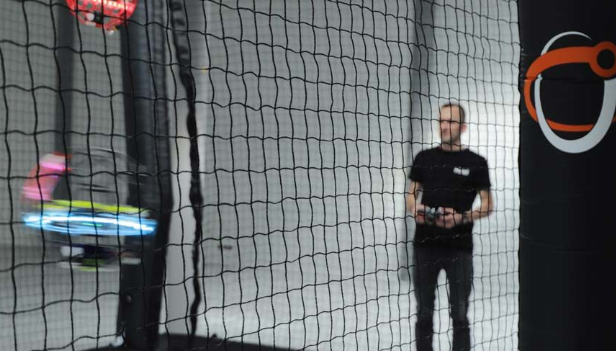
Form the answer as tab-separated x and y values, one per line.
106	14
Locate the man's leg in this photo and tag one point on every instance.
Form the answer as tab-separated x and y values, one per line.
426	267
459	268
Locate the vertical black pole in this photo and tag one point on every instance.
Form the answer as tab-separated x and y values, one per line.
143	53
65	36
421	58
567	175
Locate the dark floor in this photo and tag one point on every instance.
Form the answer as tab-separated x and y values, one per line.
180	343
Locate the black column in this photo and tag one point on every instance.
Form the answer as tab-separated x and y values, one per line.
567	176
65	24
147	129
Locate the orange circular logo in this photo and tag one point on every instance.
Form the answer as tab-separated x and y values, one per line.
573	55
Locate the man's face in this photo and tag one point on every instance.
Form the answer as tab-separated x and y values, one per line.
450	125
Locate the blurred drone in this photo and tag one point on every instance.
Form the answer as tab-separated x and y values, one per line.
83	198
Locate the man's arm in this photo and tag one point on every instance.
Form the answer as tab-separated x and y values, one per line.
485	209
415	208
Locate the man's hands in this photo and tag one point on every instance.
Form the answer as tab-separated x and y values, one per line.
449	218
446	217
443	217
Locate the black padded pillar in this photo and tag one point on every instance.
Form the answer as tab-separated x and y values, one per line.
567	175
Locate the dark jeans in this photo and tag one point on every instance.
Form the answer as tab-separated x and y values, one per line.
458	265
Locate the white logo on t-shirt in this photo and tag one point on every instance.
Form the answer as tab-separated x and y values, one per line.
462	171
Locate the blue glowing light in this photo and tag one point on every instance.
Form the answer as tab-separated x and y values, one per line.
102	224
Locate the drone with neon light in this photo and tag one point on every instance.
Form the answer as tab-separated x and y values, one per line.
80	201
76	194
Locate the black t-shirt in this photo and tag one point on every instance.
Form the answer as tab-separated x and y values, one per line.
449	179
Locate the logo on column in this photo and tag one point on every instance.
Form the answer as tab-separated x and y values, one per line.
588	55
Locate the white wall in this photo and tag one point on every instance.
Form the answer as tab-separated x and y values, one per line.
307	133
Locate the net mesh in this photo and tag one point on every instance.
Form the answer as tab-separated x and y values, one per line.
308	117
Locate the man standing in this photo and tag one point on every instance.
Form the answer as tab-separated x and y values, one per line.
444	183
